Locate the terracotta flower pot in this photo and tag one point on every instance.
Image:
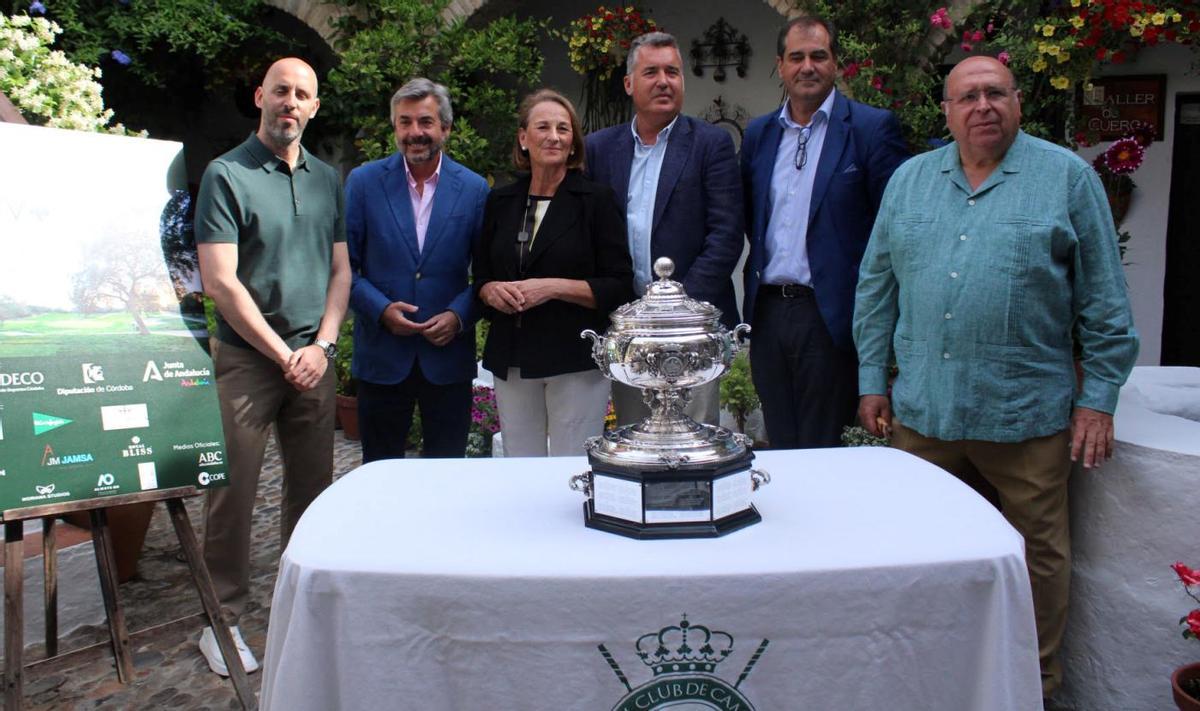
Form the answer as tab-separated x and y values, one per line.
1179	680
347	416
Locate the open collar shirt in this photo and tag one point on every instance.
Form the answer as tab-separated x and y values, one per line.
979	294
643	189
791	197
422	202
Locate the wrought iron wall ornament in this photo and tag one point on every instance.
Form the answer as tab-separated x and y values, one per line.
722	46
731	117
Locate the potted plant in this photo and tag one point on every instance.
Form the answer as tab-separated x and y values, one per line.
347	392
737	391
1185	681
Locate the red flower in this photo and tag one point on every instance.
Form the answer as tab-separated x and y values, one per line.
851	70
1118	57
877	82
1193	622
1187	576
1101	54
1123	157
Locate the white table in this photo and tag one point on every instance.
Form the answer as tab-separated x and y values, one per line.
878	581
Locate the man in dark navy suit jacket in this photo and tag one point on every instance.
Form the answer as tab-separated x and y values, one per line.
412	221
677	180
814	173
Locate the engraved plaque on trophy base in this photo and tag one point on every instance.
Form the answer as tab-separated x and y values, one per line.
702	502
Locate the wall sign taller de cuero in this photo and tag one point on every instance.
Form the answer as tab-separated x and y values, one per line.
1113	107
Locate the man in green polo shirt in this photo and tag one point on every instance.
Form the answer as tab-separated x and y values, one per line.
271	240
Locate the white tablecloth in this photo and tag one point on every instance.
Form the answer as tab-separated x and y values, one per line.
876	580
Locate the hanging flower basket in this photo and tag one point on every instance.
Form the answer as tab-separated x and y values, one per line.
597	45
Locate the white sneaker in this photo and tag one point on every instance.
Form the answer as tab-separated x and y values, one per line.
212	652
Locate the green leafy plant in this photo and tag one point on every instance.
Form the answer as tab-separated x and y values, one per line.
345	353
387	42
737	391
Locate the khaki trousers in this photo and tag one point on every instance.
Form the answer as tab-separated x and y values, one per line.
254	398
1027	481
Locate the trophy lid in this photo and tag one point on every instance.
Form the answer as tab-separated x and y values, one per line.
666	306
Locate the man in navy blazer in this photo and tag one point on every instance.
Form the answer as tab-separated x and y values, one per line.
412	220
676	179
814	172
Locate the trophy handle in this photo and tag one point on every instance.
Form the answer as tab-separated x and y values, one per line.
597	347
740	332
758	479
583	483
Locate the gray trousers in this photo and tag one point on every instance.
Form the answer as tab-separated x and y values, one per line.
254	398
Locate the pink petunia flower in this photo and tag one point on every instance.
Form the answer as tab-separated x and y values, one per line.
1004	56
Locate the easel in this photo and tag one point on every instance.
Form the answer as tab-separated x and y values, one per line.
14	622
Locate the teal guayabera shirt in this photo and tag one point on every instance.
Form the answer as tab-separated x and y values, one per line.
977	293
284	224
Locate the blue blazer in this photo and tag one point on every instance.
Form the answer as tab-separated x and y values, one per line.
863	146
697	210
381	236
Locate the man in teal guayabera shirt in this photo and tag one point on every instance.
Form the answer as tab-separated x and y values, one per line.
989	258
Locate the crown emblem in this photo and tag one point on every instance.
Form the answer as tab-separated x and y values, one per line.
684	648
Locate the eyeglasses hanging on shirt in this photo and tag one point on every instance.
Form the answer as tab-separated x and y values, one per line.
802	147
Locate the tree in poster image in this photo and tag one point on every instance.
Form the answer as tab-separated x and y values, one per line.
121	274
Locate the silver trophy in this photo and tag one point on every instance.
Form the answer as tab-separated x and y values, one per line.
668	476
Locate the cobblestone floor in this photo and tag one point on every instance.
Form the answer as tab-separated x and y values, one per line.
164	617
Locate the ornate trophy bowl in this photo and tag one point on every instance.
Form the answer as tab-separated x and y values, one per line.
668	476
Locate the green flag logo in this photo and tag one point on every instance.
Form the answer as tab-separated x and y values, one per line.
43	423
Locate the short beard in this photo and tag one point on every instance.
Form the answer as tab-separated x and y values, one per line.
432	150
283	137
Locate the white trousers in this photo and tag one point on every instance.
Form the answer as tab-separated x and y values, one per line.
567	409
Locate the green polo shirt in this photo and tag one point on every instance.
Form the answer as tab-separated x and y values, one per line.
284	223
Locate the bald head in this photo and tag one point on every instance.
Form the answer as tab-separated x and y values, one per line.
983	109
287	99
974	64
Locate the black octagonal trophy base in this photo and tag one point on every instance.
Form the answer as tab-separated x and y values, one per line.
658	531
670	502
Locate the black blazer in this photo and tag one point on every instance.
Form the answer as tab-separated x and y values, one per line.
582	236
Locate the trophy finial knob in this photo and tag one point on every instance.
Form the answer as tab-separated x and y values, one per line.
664	267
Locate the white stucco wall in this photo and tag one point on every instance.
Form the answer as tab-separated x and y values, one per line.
1146	258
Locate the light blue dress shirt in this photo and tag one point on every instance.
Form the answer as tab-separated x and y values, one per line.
791	198
978	293
639	210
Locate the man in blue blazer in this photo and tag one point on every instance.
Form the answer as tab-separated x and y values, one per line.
676	179
412	221
814	173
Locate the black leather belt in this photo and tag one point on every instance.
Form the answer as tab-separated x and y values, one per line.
787	291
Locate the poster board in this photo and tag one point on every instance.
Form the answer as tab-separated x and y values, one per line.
106	386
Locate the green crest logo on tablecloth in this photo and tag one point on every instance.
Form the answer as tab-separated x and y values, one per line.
683	659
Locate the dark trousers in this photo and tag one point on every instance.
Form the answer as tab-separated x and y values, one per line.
385	414
808	386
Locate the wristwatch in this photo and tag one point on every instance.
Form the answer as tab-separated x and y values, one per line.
329	348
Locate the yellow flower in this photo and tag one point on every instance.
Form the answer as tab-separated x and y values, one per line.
1052	50
1135	30
1177	17
1038	64
1074	3
1159	18
1060	82
1077	22
1048	30
1064	57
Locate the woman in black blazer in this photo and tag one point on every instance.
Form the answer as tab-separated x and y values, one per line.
553	260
